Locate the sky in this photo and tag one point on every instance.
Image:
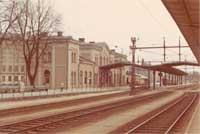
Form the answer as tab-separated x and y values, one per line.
116	21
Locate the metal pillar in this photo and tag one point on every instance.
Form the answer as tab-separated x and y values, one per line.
154	79
181	80
133	40
177	77
179	49
160	75
164	47
176	80
185	79
172	80
169	82
149	77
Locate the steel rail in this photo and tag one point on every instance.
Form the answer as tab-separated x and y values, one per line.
161	112
59	104
181	115
46	122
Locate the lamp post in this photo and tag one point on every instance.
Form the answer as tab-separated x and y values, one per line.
133	40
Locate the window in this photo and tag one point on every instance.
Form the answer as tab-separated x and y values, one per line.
16	69
3	78
85	77
10	68
97	60
22	78
9	78
22	69
4	68
90	81
81	78
47	57
74	78
100	61
16	78
95	79
73	57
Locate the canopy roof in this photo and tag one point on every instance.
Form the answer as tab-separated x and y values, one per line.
181	63
161	68
186	15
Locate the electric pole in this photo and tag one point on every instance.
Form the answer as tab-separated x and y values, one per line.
179	44
133	40
164	47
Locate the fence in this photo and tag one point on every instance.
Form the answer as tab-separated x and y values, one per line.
16	94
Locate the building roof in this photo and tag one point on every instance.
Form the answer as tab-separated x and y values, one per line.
85	60
99	46
94	45
186	15
90	46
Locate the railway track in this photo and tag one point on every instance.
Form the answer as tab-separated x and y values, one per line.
46	124
165	120
56	105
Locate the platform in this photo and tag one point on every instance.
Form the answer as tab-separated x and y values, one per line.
47	112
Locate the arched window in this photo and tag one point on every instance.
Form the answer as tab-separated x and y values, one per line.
81	78
86	77
90	80
74	78
47	76
72	57
101	61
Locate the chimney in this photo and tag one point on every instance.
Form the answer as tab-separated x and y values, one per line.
81	39
60	33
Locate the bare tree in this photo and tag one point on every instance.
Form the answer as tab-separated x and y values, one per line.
35	20
7	17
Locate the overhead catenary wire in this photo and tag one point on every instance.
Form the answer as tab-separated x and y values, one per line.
150	52
164	29
152	16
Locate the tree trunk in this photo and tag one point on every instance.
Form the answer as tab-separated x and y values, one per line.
31	76
32	81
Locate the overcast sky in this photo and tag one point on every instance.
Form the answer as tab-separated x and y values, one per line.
115	21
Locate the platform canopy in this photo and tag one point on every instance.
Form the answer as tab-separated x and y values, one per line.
181	63
161	68
186	15
167	69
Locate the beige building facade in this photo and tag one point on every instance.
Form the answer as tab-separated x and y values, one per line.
102	55
67	63
12	65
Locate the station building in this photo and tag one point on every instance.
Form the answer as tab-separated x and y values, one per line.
67	63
